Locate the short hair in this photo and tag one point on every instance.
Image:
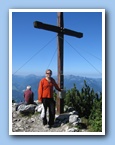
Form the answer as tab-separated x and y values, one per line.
28	87
49	70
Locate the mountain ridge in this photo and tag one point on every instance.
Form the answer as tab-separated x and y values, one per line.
19	84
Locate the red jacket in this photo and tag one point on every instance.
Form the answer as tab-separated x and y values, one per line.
29	96
45	89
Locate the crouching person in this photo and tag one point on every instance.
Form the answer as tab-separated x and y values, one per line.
28	96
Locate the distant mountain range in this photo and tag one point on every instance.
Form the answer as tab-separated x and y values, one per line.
19	84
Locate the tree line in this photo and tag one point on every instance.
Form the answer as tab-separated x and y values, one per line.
88	104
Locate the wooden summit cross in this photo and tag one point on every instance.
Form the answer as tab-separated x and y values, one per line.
61	31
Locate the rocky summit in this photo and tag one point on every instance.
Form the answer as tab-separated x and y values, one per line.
27	118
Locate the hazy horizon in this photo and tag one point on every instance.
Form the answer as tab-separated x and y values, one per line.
54	75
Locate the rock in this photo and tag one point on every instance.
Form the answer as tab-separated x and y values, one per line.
74	112
73	130
33	122
26	109
73	118
70	109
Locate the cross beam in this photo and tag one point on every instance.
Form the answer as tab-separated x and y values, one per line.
57	29
61	32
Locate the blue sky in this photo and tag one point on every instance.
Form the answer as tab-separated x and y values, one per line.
35	50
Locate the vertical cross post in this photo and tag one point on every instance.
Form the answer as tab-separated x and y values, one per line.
60	100
61	32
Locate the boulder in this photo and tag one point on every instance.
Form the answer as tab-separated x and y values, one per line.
73	118
26	109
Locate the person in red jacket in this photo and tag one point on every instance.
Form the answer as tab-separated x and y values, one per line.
45	96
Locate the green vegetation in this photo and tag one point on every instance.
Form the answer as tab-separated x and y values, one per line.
88	104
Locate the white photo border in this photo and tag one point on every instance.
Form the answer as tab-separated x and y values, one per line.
10	71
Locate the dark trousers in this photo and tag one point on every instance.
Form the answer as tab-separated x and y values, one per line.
50	104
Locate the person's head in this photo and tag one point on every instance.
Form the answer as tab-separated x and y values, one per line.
48	73
28	87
